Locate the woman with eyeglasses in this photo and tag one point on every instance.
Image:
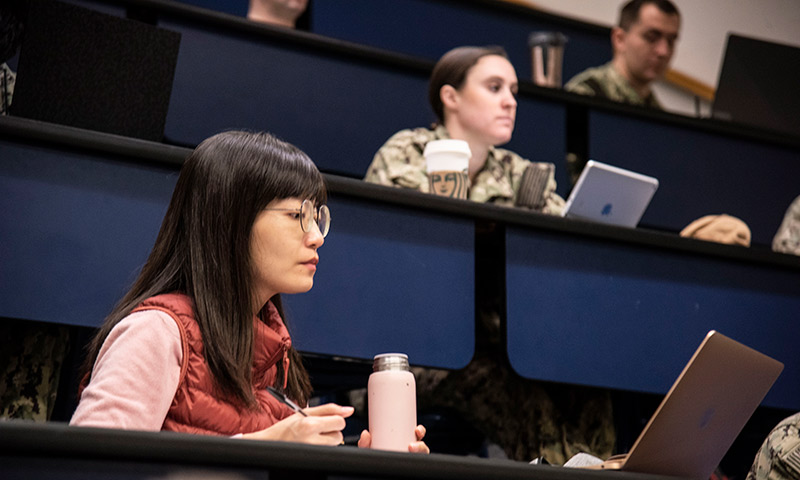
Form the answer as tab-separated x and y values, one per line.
194	344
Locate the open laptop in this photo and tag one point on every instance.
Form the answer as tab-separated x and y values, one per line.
611	195
703	412
758	84
87	69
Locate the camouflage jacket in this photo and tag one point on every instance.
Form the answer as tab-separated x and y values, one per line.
7	79
779	456
606	82
787	240
31	359
400	163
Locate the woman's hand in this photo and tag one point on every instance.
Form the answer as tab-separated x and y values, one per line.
322	426
414	447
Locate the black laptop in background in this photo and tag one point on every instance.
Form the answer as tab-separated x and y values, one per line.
87	69
759	85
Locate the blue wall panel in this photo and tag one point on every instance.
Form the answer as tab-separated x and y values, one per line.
337	110
700	173
428	29
75	231
391	279
616	315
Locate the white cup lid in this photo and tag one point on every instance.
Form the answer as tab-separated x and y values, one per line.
447	146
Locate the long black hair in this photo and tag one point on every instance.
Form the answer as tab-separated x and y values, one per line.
203	251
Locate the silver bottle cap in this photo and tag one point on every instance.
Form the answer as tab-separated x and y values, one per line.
390	361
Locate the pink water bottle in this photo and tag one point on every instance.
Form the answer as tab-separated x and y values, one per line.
392	397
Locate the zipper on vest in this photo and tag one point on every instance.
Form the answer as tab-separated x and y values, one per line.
285	366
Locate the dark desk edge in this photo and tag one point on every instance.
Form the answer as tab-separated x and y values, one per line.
387	58
295	38
142	151
58	440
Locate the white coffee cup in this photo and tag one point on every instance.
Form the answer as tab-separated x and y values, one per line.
447	163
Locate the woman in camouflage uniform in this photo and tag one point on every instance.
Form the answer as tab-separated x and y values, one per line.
473	93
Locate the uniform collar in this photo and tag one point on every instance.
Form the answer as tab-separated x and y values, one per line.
619	79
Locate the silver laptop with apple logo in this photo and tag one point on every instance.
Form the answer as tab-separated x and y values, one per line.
611	195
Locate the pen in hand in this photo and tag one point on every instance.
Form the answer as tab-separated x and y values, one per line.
285	400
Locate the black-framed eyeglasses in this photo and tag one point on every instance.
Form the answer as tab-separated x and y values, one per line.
309	215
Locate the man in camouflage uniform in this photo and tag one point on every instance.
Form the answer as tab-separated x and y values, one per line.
400	163
787	240
779	456
606	82
643	44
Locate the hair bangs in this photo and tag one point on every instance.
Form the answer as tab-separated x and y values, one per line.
277	169
299	178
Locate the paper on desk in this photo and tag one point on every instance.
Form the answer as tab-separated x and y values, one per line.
582	460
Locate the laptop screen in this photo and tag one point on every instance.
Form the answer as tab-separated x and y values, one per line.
611	195
88	69
704	411
758	85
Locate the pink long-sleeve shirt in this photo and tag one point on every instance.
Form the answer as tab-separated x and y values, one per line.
135	376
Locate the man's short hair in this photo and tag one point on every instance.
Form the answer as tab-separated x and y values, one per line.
630	11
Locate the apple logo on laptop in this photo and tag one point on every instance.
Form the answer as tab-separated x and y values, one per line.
706	418
606	210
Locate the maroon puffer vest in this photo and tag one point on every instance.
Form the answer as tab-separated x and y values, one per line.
196	407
